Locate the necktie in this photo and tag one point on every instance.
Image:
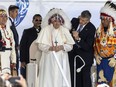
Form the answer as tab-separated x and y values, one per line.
13	24
80	28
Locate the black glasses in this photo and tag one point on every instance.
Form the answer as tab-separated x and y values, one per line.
38	20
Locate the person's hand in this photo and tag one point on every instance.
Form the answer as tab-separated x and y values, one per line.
5	76
56	48
22	81
59	48
13	66
23	64
112	62
52	48
18	47
75	35
98	59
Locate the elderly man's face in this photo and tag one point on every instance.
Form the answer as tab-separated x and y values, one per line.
105	22
3	19
83	20
56	24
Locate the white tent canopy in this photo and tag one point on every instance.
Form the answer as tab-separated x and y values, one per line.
73	8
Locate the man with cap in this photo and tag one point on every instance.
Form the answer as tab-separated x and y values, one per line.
7	48
105	45
13	13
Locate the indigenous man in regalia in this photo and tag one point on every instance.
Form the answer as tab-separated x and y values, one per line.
7	45
105	45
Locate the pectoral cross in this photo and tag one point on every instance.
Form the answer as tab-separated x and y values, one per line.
56	42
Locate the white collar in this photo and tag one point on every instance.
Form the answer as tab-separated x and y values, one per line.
12	19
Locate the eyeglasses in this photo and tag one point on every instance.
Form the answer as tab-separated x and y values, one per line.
38	20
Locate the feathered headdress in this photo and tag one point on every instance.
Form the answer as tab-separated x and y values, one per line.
58	14
109	11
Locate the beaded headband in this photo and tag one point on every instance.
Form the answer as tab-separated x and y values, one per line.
2	12
109	11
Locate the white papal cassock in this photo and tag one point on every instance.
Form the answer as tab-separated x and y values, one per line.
49	72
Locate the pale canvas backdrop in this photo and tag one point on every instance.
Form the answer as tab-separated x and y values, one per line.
72	8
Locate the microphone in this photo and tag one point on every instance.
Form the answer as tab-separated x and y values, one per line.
79	69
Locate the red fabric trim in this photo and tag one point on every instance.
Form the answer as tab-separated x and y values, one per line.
103	14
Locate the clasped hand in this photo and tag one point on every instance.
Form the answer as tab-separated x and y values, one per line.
112	62
75	35
56	48
98	59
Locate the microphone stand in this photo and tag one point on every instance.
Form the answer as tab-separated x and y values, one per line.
79	69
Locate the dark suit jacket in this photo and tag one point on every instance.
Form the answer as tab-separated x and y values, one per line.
15	34
86	43
29	35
